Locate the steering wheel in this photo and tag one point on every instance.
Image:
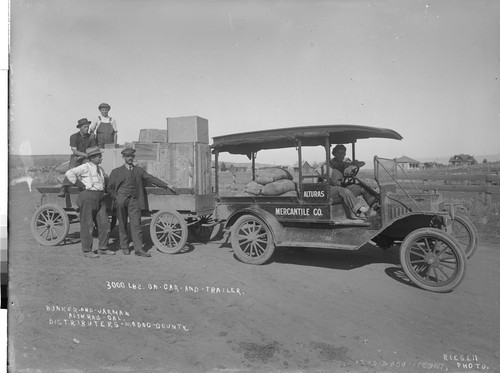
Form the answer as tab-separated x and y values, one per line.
350	175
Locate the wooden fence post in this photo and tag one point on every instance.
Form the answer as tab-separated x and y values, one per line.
487	194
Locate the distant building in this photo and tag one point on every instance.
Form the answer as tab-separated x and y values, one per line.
408	163
462	160
232	169
431	165
306	168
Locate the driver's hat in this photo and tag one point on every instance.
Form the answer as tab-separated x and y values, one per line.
338	147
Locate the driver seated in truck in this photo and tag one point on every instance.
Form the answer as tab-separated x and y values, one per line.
341	167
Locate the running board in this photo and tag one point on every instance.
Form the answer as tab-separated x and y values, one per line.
318	245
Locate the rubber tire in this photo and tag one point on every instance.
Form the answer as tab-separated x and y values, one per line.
268	250
64	223
180	227
471	247
461	260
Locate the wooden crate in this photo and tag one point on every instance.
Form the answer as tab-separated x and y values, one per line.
183	165
187	129
187	165
111	158
146	151
153	135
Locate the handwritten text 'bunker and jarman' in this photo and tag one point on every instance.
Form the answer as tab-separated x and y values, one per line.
97	317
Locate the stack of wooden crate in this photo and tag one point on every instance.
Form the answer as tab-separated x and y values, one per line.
184	161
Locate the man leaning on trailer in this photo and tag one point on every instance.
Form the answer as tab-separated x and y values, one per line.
126	187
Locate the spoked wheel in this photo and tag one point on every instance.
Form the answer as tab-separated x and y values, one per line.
433	260
50	225
168	231
252	240
205	229
465	233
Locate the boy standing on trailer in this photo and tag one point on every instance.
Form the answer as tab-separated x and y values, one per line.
104	127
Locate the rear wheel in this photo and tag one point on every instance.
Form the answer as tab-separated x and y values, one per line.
252	240
465	233
168	231
433	260
50	225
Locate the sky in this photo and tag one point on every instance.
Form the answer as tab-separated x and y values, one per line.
428	69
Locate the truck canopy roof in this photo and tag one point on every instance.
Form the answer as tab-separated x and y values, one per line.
249	142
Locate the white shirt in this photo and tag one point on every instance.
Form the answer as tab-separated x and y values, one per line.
100	119
89	175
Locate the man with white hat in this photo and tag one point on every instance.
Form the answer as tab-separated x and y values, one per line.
90	178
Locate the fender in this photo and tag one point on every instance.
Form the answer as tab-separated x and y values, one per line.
270	220
404	224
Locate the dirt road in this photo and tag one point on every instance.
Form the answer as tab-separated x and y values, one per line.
203	311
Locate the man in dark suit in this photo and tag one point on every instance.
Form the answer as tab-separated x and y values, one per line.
126	187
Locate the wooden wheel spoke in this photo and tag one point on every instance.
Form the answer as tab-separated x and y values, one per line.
427	245
44	228
162	236
447	265
42	218
436	276
171	240
248	249
416	253
52	236
444	273
261	241
418	261
176	234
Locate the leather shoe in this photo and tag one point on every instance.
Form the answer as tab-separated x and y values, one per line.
143	253
126	251
106	252
90	254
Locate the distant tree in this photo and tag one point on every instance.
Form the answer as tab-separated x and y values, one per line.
223	166
485	160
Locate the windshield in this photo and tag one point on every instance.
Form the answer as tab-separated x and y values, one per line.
386	170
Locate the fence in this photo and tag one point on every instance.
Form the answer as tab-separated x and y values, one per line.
484	184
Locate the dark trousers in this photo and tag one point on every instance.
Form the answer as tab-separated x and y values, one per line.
344	195
127	208
92	207
358	190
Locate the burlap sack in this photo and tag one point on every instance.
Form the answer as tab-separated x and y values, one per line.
278	187
272	174
291	193
253	188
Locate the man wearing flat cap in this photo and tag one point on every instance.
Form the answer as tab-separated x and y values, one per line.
90	178
79	143
338	165
127	188
104	127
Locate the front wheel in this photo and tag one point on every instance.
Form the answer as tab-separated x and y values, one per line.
168	231
433	260
50	225
465	233
251	240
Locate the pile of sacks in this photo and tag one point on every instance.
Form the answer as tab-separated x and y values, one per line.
273	181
